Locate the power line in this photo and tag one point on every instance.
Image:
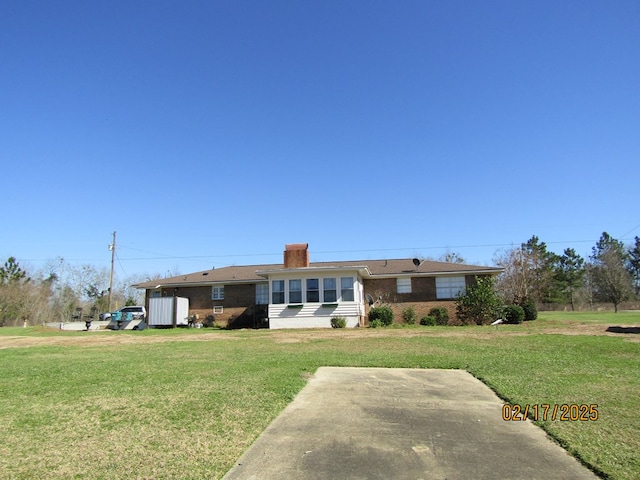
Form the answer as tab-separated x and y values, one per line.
203	258
228	255
120	265
634	228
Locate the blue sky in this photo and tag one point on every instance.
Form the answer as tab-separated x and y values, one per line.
211	133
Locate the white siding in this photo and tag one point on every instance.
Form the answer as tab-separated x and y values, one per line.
160	311
182	311
163	311
317	314
312	315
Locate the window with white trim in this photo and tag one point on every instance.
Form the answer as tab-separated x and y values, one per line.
404	285
313	290
262	294
277	291
295	291
450	287
346	289
217	293
330	292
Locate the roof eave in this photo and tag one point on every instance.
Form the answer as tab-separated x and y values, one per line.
362	269
194	284
414	273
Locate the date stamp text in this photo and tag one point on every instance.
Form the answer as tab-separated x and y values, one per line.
565	412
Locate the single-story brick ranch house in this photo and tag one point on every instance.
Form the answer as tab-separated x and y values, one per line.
300	294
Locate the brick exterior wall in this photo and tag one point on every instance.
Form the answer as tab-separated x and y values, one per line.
239	309
422	297
423	289
422	309
296	255
238	304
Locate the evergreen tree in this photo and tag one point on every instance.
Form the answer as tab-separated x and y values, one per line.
11	273
480	304
570	272
540	263
528	273
611	280
14	292
634	264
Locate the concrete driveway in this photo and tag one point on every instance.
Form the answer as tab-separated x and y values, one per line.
386	423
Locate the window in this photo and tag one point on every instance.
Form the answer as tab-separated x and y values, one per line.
217	293
218	310
330	292
313	290
262	294
346	289
277	291
450	287
295	291
404	285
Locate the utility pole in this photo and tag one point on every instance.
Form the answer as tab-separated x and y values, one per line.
112	247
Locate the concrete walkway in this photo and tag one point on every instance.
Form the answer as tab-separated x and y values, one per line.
382	423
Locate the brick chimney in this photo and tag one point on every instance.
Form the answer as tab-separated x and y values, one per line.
296	255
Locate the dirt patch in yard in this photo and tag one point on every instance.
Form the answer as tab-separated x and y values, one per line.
108	337
488	332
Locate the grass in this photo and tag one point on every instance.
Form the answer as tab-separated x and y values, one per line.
188	408
588	318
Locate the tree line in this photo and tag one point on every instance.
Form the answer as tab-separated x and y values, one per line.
533	277
59	292
532	274
611	274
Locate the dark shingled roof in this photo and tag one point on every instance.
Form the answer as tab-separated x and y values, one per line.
382	268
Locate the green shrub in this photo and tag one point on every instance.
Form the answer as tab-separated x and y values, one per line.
409	315
513	314
441	315
383	314
480	304
375	323
429	321
338	322
530	310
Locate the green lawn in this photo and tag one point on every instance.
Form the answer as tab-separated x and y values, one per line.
188	407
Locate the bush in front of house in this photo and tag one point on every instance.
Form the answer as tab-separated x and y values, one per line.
338	322
480	304
530	310
409	315
513	314
382	316
441	315
428	321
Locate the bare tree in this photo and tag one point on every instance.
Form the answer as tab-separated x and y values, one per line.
129	294
14	286
24	300
611	280
451	257
514	283
528	273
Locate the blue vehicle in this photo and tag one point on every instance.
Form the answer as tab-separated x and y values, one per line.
126	314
